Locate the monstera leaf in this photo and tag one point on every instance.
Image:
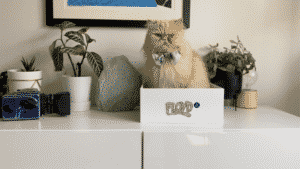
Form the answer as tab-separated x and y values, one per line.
96	62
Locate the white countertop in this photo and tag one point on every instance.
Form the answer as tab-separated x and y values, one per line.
262	117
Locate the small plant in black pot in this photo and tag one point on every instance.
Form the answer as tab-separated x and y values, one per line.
226	69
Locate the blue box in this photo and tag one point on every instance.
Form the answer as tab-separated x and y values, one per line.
30	104
21	105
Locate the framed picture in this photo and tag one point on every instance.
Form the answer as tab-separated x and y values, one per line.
115	13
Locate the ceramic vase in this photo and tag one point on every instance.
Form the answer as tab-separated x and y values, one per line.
21	80
80	90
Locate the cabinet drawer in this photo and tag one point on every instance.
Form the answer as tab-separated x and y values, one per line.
236	149
71	149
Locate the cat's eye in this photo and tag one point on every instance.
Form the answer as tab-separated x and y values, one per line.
158	35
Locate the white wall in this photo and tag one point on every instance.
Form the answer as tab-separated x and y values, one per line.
267	28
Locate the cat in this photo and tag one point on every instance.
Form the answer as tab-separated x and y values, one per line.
170	60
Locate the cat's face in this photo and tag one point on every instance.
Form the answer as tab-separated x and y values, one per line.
165	36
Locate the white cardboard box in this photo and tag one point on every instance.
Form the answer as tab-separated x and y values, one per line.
210	113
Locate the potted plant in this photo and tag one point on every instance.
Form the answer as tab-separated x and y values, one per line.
24	78
78	86
226	69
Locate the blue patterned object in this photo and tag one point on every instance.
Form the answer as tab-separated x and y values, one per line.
30	104
21	105
197	105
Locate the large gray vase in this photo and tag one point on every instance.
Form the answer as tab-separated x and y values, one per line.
118	87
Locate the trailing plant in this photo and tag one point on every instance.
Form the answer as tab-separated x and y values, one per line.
28	66
236	58
81	49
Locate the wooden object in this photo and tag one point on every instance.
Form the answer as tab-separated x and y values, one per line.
248	99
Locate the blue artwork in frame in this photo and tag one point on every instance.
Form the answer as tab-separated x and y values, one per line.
140	23
123	3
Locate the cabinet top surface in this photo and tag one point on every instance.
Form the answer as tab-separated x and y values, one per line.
262	117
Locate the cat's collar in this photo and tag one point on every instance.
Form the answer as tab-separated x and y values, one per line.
162	58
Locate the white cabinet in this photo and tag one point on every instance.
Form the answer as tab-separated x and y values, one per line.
70	149
257	138
249	139
234	149
91	139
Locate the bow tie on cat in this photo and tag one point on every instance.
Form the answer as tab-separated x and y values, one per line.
162	58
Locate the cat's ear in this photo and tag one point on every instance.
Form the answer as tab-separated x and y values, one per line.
178	22
151	23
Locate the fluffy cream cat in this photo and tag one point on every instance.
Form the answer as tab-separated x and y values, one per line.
170	60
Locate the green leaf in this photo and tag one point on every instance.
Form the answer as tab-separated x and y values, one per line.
31	63
24	62
232	41
52	46
83	30
240	65
76	50
210	65
68	24
28	66
65	25
77	37
233	47
89	39
31	69
230	68
95	62
57	58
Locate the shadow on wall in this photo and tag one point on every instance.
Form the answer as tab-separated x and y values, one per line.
290	102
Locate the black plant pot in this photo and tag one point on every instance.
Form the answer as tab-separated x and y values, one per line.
231	82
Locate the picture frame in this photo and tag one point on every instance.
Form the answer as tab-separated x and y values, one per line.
58	11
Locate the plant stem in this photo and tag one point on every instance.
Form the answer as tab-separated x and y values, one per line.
85	54
80	63
79	69
68	54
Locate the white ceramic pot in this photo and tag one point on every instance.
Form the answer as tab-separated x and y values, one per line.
21	80
80	90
